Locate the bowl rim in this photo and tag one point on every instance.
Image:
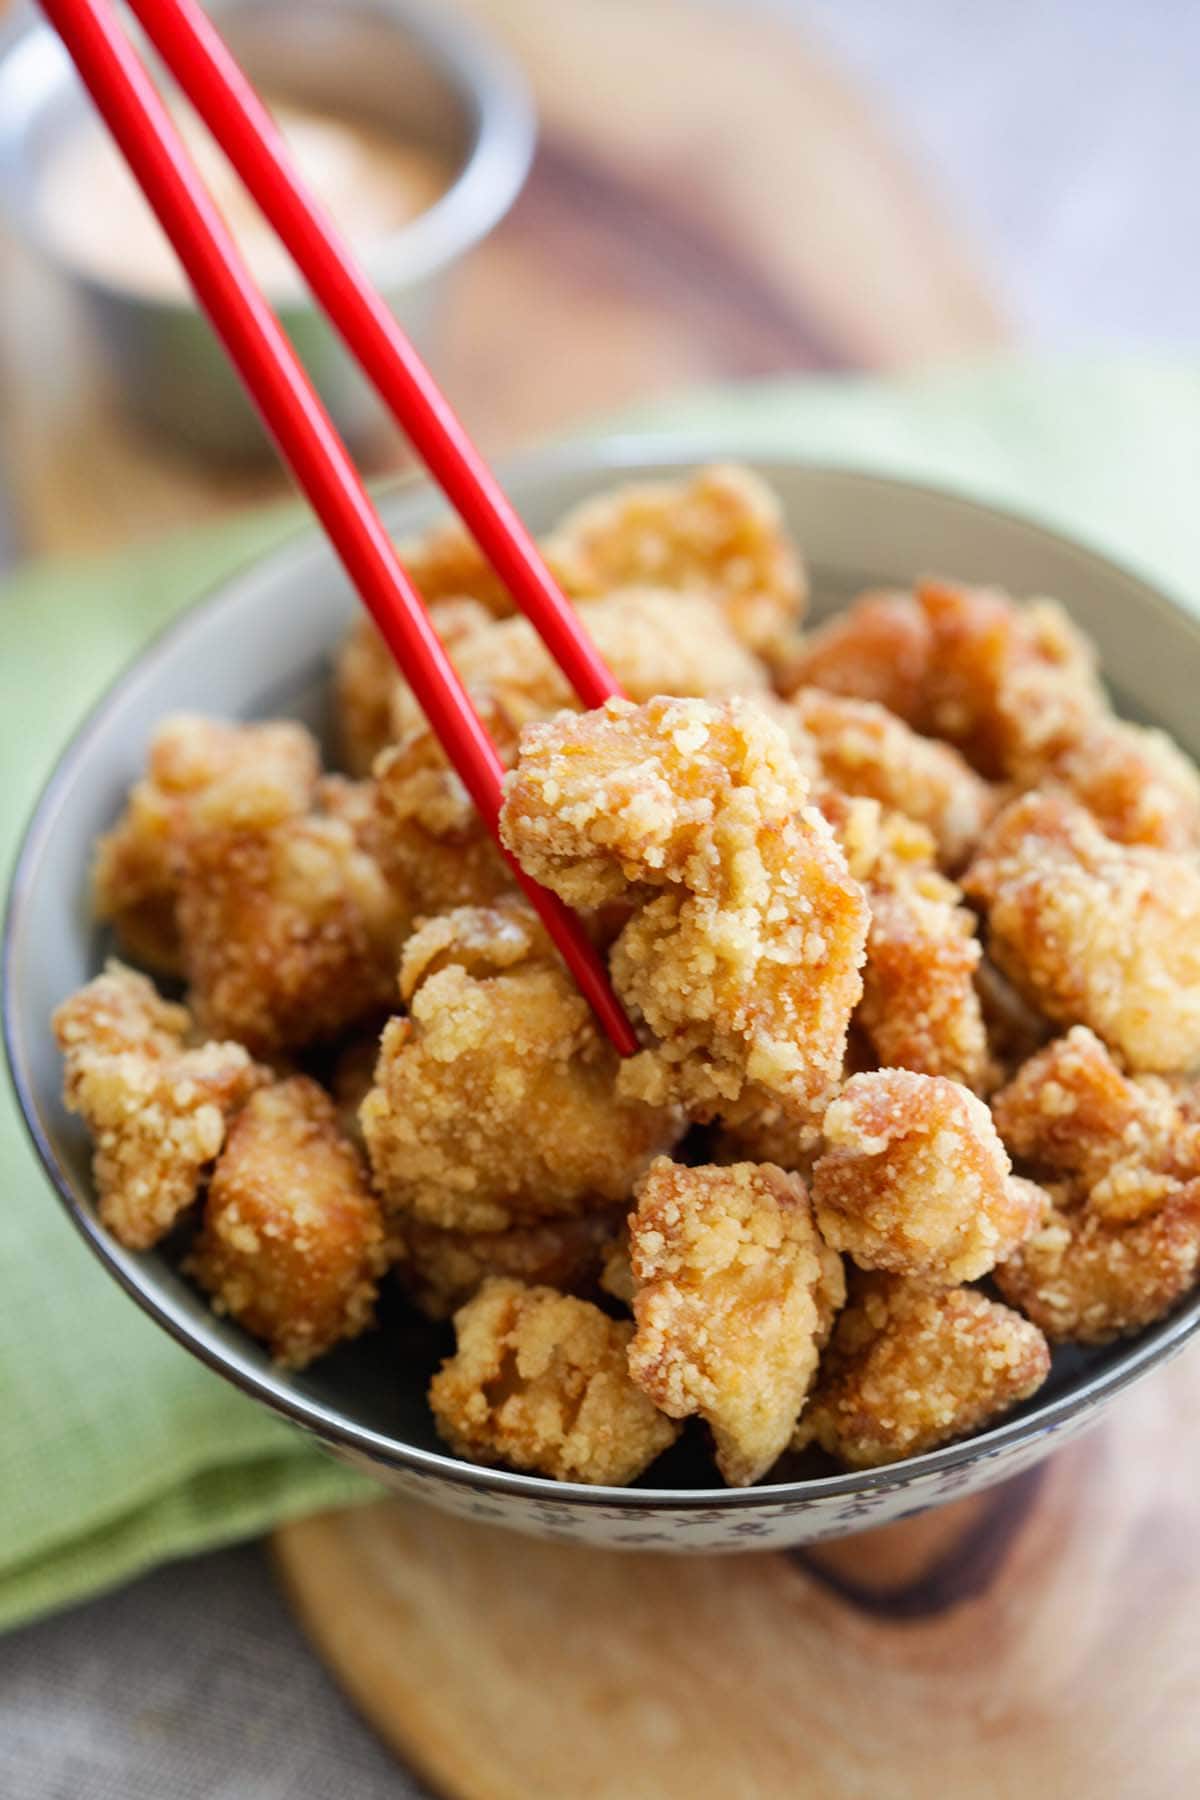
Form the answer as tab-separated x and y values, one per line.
616	455
487	83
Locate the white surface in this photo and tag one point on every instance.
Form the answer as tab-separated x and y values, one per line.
1065	137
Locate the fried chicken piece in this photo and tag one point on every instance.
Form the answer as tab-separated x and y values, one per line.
1138	786
878	650
1071	1115
916	1181
745	967
290	934
1093	932
720	532
734	1297
908	1370
364	679
198	771
655	641
540	1381
1088	1278
157	1111
864	749
292	1242
920	1008
442	1269
495	1101
434	849
1009	685
718	535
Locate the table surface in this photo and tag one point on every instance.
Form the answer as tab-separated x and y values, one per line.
195	1681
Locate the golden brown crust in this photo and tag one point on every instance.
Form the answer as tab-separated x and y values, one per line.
442	1269
720	532
1009	685
655	641
745	968
291	934
920	1008
156	1110
540	1381
916	1181
495	1101
1071	1115
734	1295
1088	1279
292	1242
431	844
199	772
864	749
908	1370
878	649
1093	932
1138	786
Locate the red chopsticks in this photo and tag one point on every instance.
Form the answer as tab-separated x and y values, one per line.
302	430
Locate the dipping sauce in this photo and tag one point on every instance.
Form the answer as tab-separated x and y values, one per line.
97	219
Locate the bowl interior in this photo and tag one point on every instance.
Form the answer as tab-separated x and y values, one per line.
262	645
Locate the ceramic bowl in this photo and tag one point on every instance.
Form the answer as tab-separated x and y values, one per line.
262	645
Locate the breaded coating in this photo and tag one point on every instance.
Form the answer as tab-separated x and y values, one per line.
292	1242
718	535
364	678
1071	1115
758	1128
734	1296
864	749
878	649
1008	684
442	1269
720	532
655	641
156	1110
908	1370
1138	786
920	1008
495	1101
916	1181
1088	1278
291	934
434	849
199	772
540	1381
1093	932
746	966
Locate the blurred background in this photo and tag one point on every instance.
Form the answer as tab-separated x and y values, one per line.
720	189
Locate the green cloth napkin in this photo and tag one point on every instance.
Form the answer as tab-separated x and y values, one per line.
118	1450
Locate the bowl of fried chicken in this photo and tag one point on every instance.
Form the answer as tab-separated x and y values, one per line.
892	854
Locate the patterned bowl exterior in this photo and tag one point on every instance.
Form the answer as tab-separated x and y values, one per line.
283	615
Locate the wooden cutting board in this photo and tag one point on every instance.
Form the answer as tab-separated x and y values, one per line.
1041	1640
